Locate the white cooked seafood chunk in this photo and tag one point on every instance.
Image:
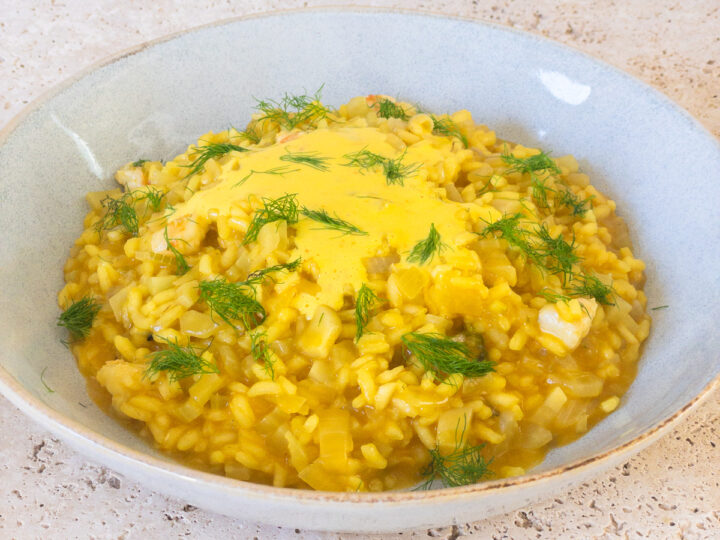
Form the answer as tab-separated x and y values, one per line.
185	234
570	332
132	177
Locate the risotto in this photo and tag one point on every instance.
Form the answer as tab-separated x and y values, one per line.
364	298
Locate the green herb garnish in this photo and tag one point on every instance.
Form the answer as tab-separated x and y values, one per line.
540	192
284	208
440	355
488	187
291	111
555	255
424	251
582	286
261	352
257	277
390	109
181	265
233	302
122	212
332	222
448	128
394	170
179	362
139	162
577	206
278	171
537	162
79	316
543	162
559	255
365	301
659	307
208	152
42	380
363	159
311	159
119	213
251	134
462	466
591	286
154	197
508	228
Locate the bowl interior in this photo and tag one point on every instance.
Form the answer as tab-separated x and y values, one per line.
651	157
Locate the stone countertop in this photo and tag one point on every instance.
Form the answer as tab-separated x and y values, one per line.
670	490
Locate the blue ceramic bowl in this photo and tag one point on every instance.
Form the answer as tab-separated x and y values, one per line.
659	164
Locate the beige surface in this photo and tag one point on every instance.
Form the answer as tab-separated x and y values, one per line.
670	490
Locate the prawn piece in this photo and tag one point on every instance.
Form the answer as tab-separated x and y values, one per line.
132	177
373	99
185	234
287	136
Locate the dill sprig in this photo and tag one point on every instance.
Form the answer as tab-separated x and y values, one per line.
232	302
332	222
553	254
582	286
139	162
508	228
531	164
237	301
257	277
181	265
543	162
424	251
277	171
463	466
79	316
42	380
554	297
121	213
311	159
390	109
591	286
154	198
659	307
179	362
577	206
251	134
283	208
394	170
559	255
364	303
363	159
261	351
448	128
540	191
291	111
208	152
440	355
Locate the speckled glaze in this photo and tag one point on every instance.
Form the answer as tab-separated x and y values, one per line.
154	101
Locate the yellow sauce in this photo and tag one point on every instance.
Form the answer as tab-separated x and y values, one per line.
395	217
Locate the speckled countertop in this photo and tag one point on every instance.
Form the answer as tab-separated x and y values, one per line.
671	490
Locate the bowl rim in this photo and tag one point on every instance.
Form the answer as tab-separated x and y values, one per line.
58	423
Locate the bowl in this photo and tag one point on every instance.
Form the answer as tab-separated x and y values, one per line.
645	152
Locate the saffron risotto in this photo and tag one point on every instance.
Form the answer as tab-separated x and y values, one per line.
364	298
